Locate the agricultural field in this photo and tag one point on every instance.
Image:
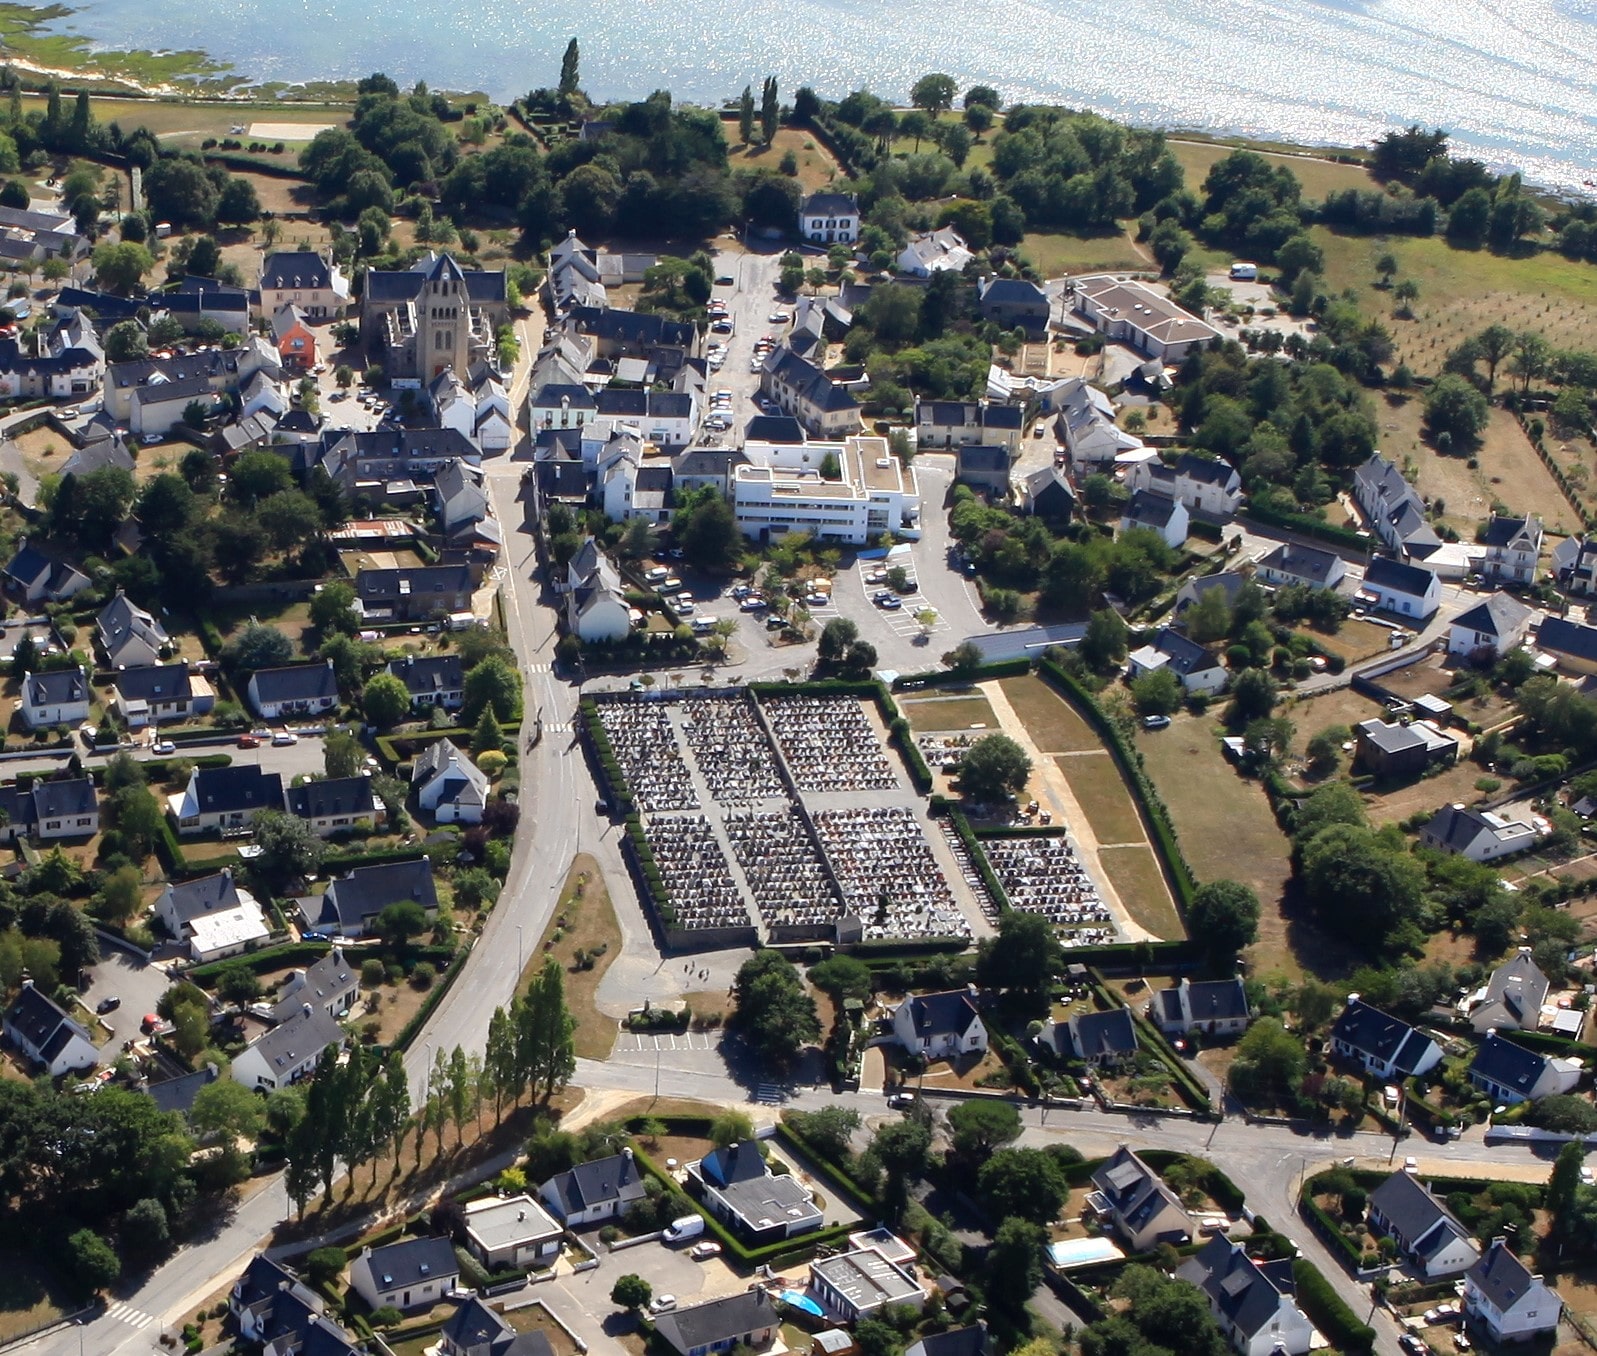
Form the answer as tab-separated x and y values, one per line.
1507	469
188	124
1464	291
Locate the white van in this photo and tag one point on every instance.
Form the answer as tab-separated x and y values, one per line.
680	1230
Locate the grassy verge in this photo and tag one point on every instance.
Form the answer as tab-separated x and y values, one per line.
584	922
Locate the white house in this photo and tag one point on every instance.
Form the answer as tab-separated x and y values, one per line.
1489	630
1575	564
1479	835
737	1187
942	250
449	786
289	1052
1393	509
940	1025
58	697
1426	1232
830	218
1216	1007
781	490
512	1231
596	605
1205	485
1510	1074
67	808
1199	669
414	1273
1504	1297
593	1192
1293	564
1384	1046
46	1035
1251	1301
1512	999
331	984
1157	513
154	693
222	798
1409	591
213	915
1512	547
293	690
332	804
1140	1207
304	279
129	636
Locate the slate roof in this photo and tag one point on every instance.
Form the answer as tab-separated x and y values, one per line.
1398	576
296	683
718	1322
1011	292
1380	1035
419	581
365	891
208	894
555	394
1502	531
1387	497
1097	1035
155	683
56	687
1501	1277
427	676
741	1162
971	1341
942	1014
1305	562
1563	636
477	1330
393	285
442	757
1147	509
73	797
44	1025
1234	1284
1410	1208
262	1279
1002	416
980	457
1520	986
331	974
1133	1189
1185	656
1500	1061
637	329
296	268
178	1094
774	428
1208	1000
1455	827
216	363
411	1261
810	382
830	205
1499	615
330	796
226	790
302	1036
615	1178
1205	470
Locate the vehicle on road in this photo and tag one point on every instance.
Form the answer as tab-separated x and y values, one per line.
164	747
283	738
779	318
108	1004
901	1101
248	742
702	1252
1156	722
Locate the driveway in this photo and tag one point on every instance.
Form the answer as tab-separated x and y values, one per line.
138	984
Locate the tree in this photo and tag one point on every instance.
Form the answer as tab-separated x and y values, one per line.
1563	1187
772	1011
400	921
1224	917
385	699
1014	1268
1103	643
1269	1064
119	268
258	475
704	529
1023	959
1157	694
1406	294
1252	697
981	1126
1360	885
121	894
570	70
93	1261
1022	1184
830	1130
126	341
341	755
842	977
257	647
238	983
487	736
731	1127
146	1229
769	110
903	1149
630	1291
1454	407
220	1112
993	769
746	116
288	850
475	889
963	660
545	1028
324	1265
836	636
934	93
494	684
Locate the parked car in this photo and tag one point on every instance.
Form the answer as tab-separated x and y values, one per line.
165	747
890	603
662	1304
248	742
283	738
779	317
901	1101
108	1004
1155	722
702	1252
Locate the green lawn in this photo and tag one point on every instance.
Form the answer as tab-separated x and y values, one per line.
29	1297
1317	176
954	713
1054	254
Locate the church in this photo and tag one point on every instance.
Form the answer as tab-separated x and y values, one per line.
416	322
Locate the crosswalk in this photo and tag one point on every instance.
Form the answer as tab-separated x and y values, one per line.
540	668
126	1313
770	1094
558	727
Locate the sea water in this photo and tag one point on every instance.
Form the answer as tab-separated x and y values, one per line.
1515	81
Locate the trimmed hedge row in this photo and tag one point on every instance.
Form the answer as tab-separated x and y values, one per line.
299	953
1309	526
1221	1189
1165	844
388	744
347	861
984	869
1328	1311
412	1028
1327	1228
841	1179
1192	1092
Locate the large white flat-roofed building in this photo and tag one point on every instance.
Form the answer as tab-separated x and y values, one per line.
855	1285
1137	315
781	489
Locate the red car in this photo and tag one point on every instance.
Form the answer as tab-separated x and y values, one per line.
248	742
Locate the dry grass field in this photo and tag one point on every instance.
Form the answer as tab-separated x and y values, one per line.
1096	783
816	167
1317	176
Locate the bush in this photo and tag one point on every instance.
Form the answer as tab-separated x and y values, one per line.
423	976
1328	1311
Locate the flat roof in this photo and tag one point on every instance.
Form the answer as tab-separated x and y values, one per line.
878	467
866	1279
502	1223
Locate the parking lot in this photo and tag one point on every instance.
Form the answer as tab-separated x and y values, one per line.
129	979
750	300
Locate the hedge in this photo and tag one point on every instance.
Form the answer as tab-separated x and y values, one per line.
1328	1312
1000	668
348	861
1309	526
785	1250
1165	845
840	1176
978	858
1352	1257
303	953
388	745
1221	1189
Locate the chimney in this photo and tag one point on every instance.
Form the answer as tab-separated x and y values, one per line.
27	982
1524	951
1352	998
